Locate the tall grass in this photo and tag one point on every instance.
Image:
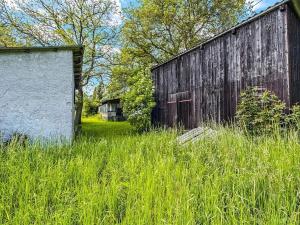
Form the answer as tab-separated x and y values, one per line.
113	176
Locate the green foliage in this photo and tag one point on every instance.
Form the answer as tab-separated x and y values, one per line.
6	37
133	84
260	114
120	78
138	101
293	119
90	106
91	103
118	177
98	93
157	30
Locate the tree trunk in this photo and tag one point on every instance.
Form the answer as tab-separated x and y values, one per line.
79	107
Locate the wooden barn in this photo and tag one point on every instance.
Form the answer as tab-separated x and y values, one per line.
204	83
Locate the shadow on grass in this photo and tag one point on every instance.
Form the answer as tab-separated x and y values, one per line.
94	127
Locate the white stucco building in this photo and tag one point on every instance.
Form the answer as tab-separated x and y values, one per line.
37	88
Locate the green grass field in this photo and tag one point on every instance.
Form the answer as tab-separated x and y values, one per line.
113	176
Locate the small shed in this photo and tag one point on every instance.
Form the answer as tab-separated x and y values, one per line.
111	110
37	91
204	83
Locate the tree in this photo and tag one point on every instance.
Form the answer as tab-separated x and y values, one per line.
119	76
138	101
6	37
98	94
90	23
158	30
90	106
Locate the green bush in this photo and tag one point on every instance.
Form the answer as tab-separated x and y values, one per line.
260	113
90	107
138	101
293	119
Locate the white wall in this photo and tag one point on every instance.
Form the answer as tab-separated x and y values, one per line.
37	94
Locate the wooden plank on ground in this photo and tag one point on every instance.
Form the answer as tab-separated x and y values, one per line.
196	135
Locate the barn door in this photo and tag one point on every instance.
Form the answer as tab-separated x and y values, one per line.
184	107
172	110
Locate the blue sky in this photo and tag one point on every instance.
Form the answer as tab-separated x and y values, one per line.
126	3
261	5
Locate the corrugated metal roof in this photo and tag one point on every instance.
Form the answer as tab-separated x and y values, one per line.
240	24
77	50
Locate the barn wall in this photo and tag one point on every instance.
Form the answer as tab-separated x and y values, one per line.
294	55
205	83
37	94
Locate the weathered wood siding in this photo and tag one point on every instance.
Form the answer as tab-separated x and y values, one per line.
204	84
294	55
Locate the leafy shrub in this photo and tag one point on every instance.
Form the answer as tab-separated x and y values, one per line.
138	101
293	119
260	113
248	109
90	107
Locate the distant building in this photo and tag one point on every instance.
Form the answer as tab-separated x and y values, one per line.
37	91
111	110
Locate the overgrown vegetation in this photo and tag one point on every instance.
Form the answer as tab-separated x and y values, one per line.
259	113
91	103
292	120
90	107
119	177
138	101
262	112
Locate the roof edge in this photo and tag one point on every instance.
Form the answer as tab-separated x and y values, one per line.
239	25
74	48
110	100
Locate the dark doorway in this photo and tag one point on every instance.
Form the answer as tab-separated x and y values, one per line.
179	110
